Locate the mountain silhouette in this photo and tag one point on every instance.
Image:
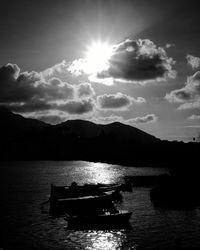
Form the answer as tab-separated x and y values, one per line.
30	139
86	129
15	123
10	120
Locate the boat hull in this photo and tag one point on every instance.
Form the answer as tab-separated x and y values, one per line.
83	204
119	218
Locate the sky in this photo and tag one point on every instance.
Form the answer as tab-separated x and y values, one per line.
132	61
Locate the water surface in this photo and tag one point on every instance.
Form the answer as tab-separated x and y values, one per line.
25	185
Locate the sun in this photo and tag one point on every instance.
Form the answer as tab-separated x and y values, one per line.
97	57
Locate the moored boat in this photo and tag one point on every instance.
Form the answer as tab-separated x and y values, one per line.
74	204
116	217
75	190
71	198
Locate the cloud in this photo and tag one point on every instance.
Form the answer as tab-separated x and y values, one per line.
48	116
77	67
50	119
189	105
16	87
136	61
58	90
29	93
149	118
189	95
139	100
53	100
56	69
72	107
107	119
85	90
179	95
144	119
9	71
140	61
27	107
79	107
169	45
193	61
194	117
116	101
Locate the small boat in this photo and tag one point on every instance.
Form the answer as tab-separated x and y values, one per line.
71	198
75	190
73	204
116	217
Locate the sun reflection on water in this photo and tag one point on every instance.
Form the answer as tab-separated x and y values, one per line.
90	172
99	240
105	240
100	173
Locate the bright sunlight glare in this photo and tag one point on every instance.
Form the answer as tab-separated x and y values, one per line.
97	57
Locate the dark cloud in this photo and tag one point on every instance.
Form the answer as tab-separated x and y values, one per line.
58	90
27	86
193	61
140	61
9	71
85	90
29	91
77	107
116	101
189	95
27	107
144	119
73	107
53	100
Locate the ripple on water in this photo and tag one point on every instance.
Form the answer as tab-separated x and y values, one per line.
99	240
24	185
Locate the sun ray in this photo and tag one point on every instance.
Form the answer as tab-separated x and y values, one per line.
97	57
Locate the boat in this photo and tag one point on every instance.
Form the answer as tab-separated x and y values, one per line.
75	190
70	198
99	218
74	204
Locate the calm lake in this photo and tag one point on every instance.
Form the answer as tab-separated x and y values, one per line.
25	185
